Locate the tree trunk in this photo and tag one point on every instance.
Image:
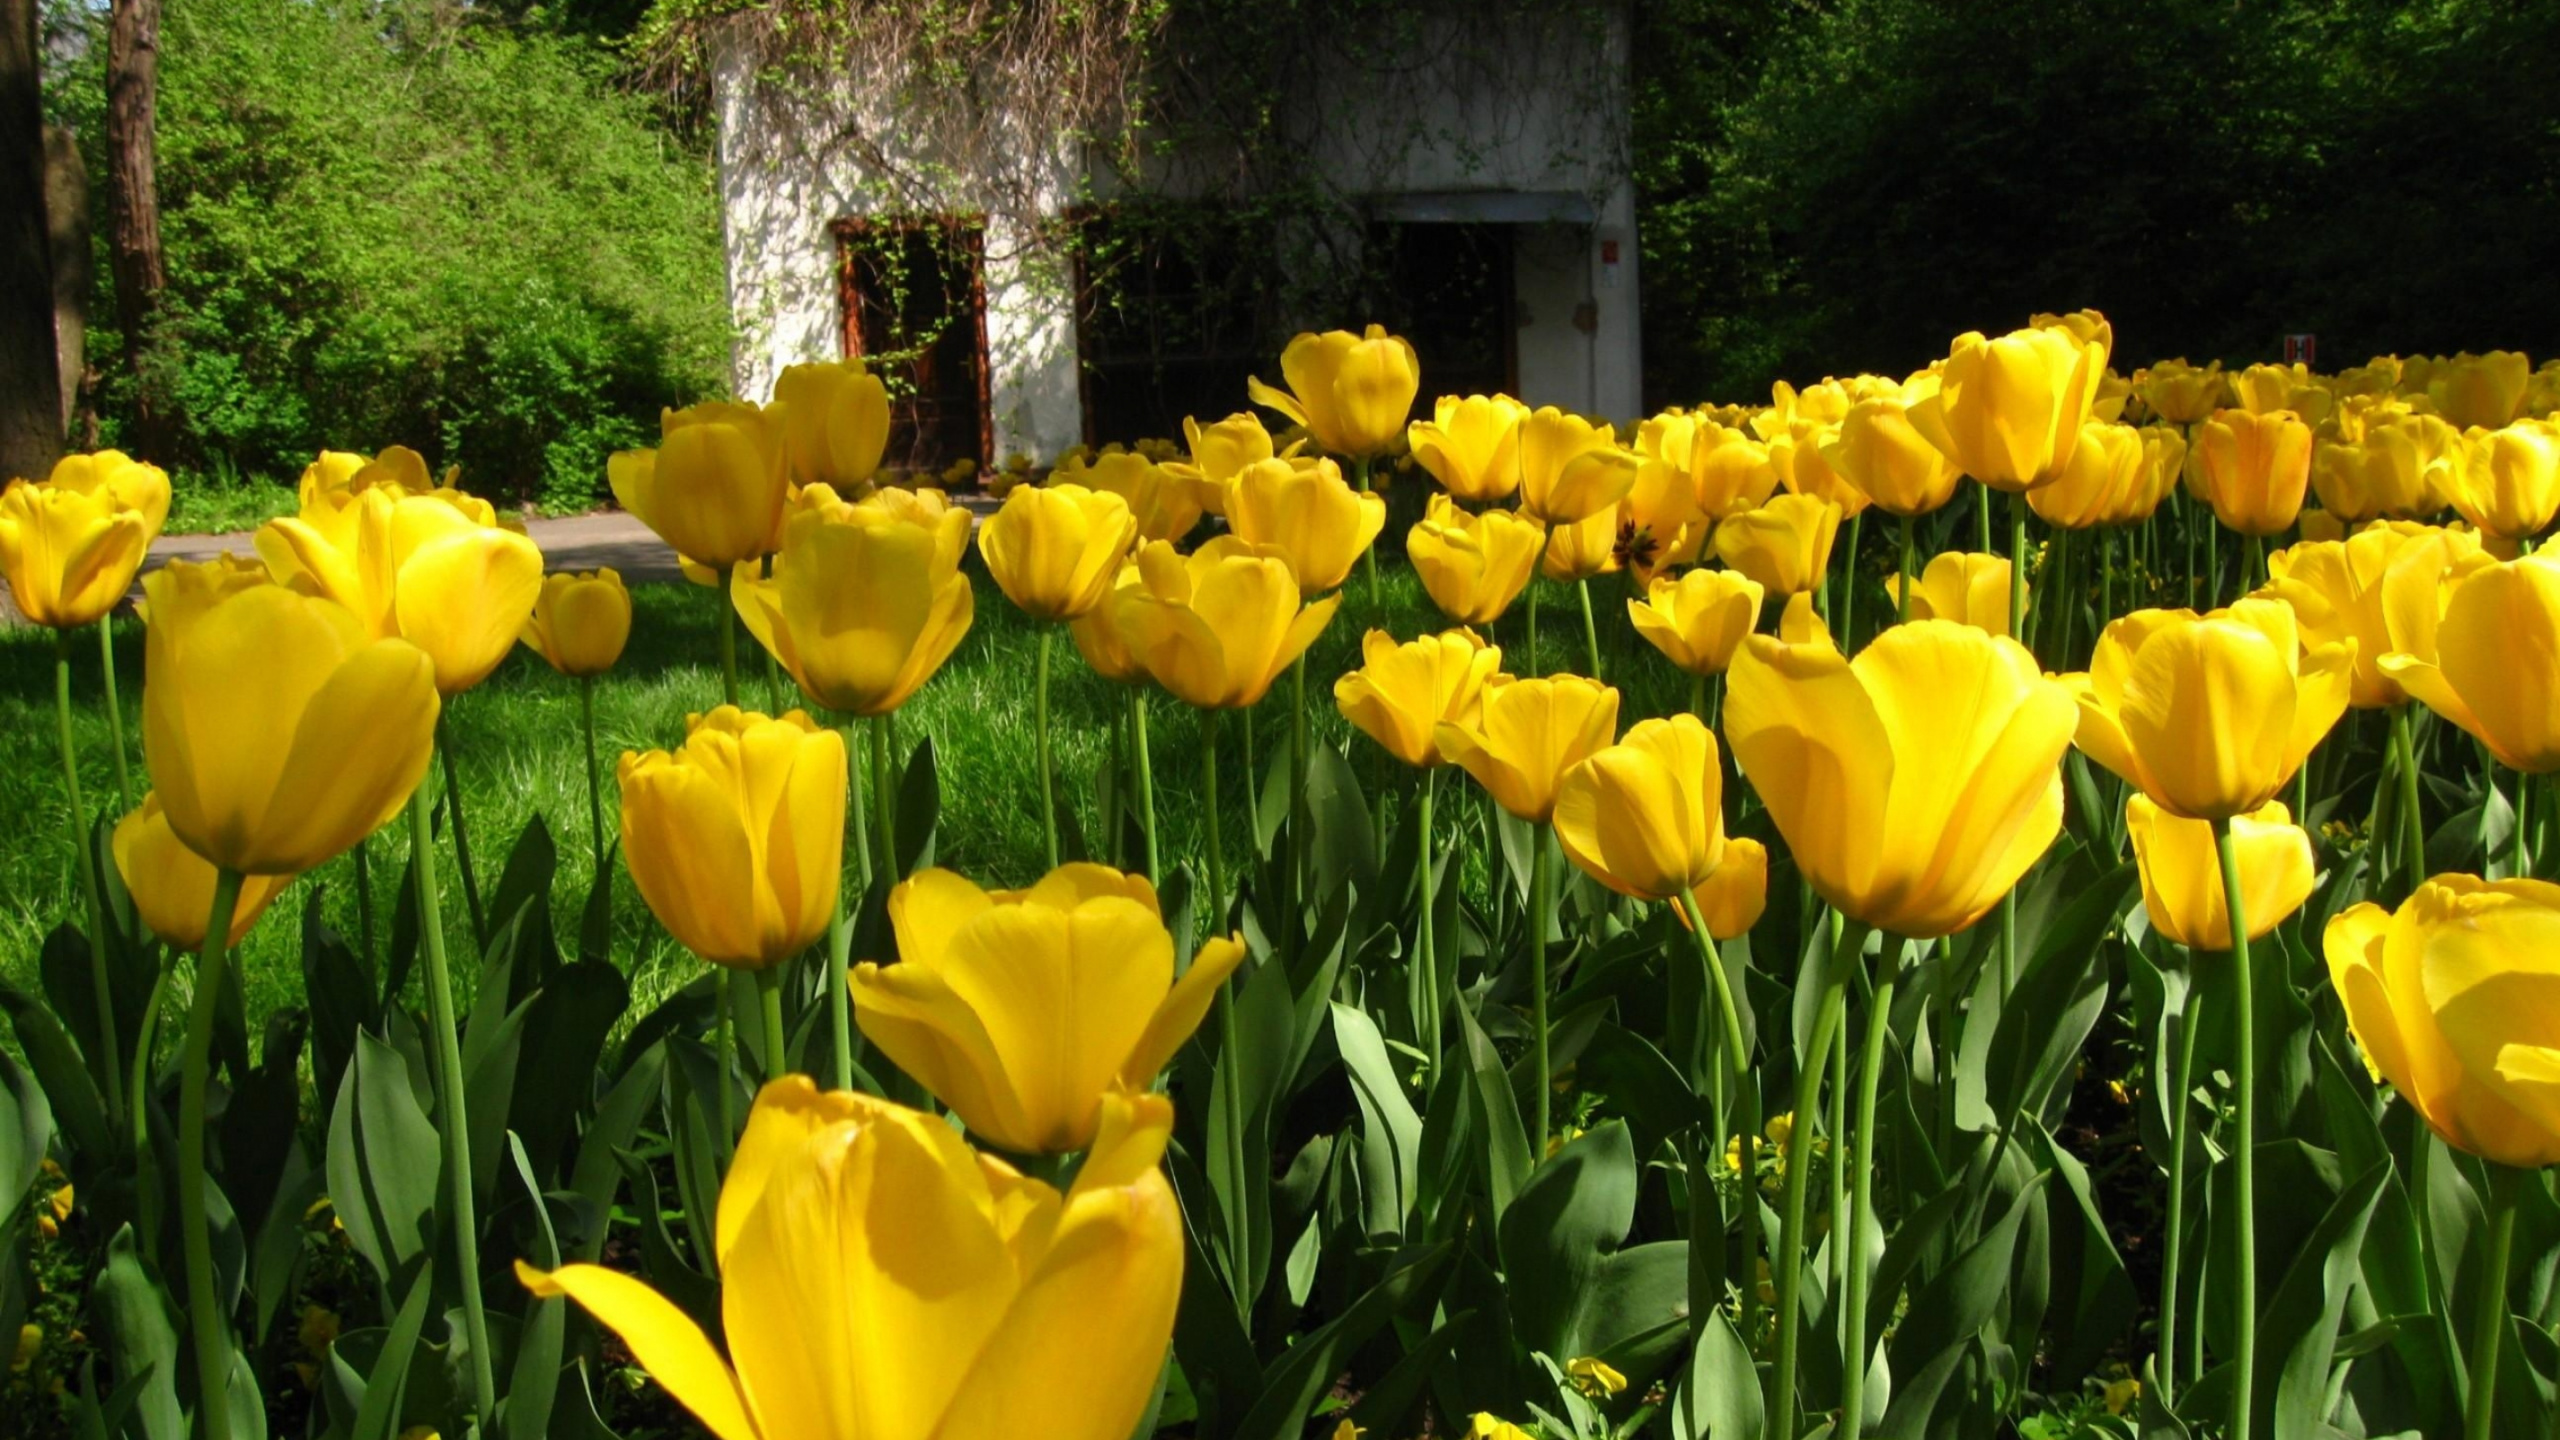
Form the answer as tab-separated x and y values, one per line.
66	198
133	200
30	385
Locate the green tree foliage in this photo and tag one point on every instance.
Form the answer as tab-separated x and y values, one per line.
1843	184
402	222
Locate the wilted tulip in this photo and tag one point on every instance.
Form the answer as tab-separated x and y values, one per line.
2506	482
2486	391
1304	510
69	556
2178	392
2255	468
1217	626
1785	545
1527	734
1014	1307
1054	550
1969	589
2009	411
835	423
1645	816
736	839
2210	715
172	886
1473	566
1167	505
714	487
580	622
864	603
1914	784
2109	474
1352	392
1471	445
2182	871
1023	1009
1582	549
1880	453
2476	674
278	730
133	485
433	567
1570	469
2448	997
1401	693
1698	620
2380	588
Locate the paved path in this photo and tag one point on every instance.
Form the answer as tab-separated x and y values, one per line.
577	542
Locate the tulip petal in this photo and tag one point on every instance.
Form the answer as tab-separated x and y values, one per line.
329	793
1181	1011
914	1016
661	1337
1807	737
1064	996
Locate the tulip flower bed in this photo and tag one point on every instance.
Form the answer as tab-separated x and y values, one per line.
1522	929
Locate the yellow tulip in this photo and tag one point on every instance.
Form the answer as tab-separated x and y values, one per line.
172	886
398	468
1527	734
1969	589
1582	549
1914	784
2265	389
2164	456
1054	550
736	839
1570	469
1304	510
2109	473
865	601
1097	636
1473	566
1488	1427
881	1281
2448	997
2008	411
1825	402
2477	674
2210	715
1733	898
2088	326
1884	456
2254	468
715	486
2178	392
2380	587
1401	693
1166	504
2182	871
580	622
2393	471
1659	523
2506	482
1352	392
135	486
1471	445
69	556
1022	1009
2486	391
1645	816
835	422
1785	545
277	729
1698	620
432	567
1217	453
1732	471
1797	456
1217	626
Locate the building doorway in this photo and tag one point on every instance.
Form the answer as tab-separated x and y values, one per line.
915	310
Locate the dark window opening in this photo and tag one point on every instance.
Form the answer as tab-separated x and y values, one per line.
1447	287
915	310
1170	320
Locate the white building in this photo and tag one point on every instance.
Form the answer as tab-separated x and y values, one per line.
1481	183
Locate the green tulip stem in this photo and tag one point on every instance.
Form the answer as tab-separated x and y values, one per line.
2413	841
884	802
2520	860
2254	567
195	1230
453	1125
595	784
1369	556
1746	1100
1541	1072
838	987
1048	763
2489	1321
1789	1264
1848	589
1982	517
1425	951
1301	842
84	860
115	712
1209	820
2244	1356
1590	627
2181	1137
2008	944
1698	698
728	623
777	1059
461	833
1146	780
138	1115
364	898
2107	580
1862	1217
2018	565
1902	570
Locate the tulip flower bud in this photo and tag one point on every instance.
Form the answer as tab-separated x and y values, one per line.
1700	619
2180	393
1303	509
1570	469
133	485
2256	467
715	486
1054	551
2468	670
172	886
1527	735
2379	588
1401	693
1645	816
1582	549
580	621
69	556
1217	626
835	423
736	838
2483	391
2108	474
1968	589
865	601
1471	445
1732	471
1166	504
2182	871
1785	545
2506	482
1880	453
1473	566
2008	411
1353	393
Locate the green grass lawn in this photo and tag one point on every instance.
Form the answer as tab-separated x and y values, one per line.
520	753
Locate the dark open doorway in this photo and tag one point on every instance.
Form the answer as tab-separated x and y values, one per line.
915	308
